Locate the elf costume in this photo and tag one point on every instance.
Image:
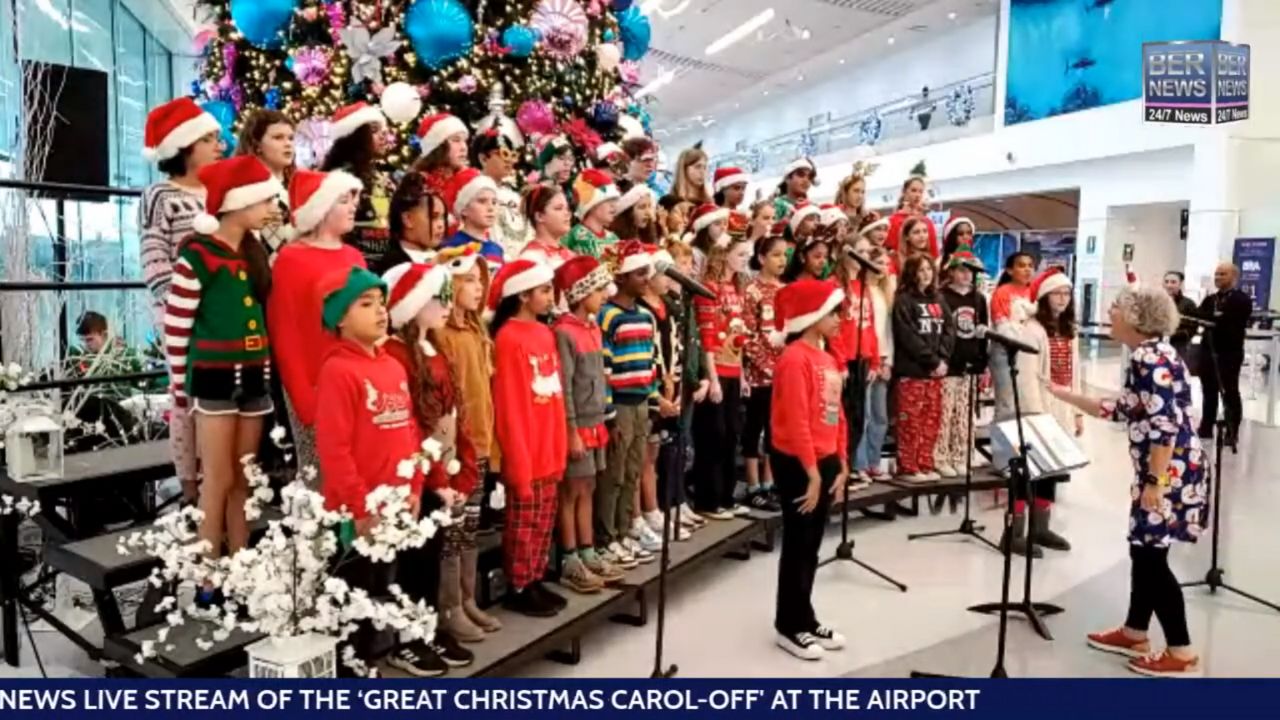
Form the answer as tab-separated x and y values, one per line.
590	189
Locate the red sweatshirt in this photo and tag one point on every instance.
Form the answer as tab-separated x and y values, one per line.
722	327
845	346
528	403
446	397
298	338
364	425
894	240
810	425
1002	300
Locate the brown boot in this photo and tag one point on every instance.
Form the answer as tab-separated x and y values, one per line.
453	619
468	567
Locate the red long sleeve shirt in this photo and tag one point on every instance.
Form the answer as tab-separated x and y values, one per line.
446	396
528	402
856	319
760	316
810	425
364	426
722	328
298	338
894	240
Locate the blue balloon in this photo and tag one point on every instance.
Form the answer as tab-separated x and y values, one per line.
261	21
440	31
520	40
636	33
225	113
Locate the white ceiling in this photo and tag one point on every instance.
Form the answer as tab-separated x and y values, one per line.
769	61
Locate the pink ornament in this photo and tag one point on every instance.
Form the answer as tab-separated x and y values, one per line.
467	84
311	66
535	118
310	14
337	18
563	25
629	71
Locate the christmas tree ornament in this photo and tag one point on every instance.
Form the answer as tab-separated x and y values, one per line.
604	116
636	33
366	51
440	31
312	141
310	65
535	117
519	40
401	102
262	22
225	113
608	55
468	84
563	25
620	5
498	118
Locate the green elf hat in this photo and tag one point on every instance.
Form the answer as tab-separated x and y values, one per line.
554	147
342	288
964	257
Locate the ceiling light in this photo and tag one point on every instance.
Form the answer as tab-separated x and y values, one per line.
766	93
800	77
663	79
841	61
805	34
740	32
737	105
892	40
951	16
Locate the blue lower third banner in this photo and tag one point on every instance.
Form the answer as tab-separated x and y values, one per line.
383	699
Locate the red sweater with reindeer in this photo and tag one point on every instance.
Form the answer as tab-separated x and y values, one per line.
722	327
528	402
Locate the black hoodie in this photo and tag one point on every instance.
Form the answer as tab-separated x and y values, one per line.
968	311
923	333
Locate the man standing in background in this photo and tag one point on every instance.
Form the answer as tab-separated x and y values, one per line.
1229	310
1173	281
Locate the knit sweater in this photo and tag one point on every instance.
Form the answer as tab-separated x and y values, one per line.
364	426
968	311
489	249
529	406
449	430
721	327
211	318
165	215
301	342
760	313
583	377
857	337
810	423
923	335
629	360
470	351
582	240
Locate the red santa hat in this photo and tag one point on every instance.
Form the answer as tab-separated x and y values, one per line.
234	184
831	214
955	222
1131	277
609	153
464	186
802	163
175	125
518	276
580	276
351	118
633	196
313	193
879	224
435	129
802	211
592	187
727	177
1048	281
805	302
412	285
705	215
630	256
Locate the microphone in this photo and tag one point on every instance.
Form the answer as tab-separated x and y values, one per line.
693	286
1197	321
1013	344
866	264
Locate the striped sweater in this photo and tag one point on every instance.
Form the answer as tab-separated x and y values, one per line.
629	356
165	215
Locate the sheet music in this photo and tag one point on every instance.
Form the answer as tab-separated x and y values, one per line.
1050	449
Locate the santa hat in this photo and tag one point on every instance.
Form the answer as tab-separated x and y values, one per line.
727	177
705	215
1131	277
1048	281
551	149
313	193
633	196
413	285
955	222
964	257
351	118
831	214
580	276
663	258
802	163
590	188
464	186
801	212
738	223
778	229
176	125
341	288
805	302
609	153
879	224
435	129
630	256
518	276
233	184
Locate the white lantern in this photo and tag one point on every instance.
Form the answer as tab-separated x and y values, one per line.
33	447
301	656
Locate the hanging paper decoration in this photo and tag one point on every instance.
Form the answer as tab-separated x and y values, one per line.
535	118
400	102
563	25
262	22
225	113
636	33
440	31
607	57
366	51
310	65
519	40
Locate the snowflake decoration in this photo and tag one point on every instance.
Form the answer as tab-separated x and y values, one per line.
960	105
366	51
870	129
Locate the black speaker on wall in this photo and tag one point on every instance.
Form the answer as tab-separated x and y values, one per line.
79	148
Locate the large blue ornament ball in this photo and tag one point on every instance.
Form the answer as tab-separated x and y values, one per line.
520	40
604	116
636	33
262	21
225	113
439	30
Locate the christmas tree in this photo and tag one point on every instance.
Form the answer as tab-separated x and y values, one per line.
555	66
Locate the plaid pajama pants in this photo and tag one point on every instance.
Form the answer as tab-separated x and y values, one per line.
953	443
919	423
526	540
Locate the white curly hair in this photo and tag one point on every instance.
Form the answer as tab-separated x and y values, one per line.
1149	310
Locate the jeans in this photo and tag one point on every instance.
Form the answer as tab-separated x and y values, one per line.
875	428
801	540
1154	589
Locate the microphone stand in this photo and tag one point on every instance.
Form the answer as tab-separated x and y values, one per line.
844	551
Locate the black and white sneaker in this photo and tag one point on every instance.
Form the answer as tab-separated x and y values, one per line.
450	650
419	660
763	500
803	645
829	639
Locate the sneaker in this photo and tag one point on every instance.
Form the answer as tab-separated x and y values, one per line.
1165	665
642	556
858	482
576	576
680	533
527	602
718	514
829	639
418	660
740	510
875	474
654	519
915	478
763	500
647	539
1115	641
549	596
618	555
931	476
689	517
603	569
947	471
803	645
449	650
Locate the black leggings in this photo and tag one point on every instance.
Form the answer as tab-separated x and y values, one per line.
855	405
759	409
801	540
1154	589
716	427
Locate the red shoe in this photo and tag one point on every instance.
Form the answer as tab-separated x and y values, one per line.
1115	641
1165	665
